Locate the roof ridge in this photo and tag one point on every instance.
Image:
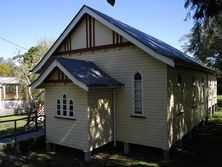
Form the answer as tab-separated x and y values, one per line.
153	46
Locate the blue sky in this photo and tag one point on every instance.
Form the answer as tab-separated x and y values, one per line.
25	22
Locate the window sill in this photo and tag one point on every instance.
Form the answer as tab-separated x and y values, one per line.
68	118
138	116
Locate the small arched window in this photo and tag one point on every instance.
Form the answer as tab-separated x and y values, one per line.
64	105
58	107
71	114
138	94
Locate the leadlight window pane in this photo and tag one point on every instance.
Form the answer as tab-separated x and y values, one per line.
138	110
58	107
138	93
64	105
71	108
138	76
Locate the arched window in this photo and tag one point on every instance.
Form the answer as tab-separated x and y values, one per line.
64	105
71	114
58	107
194	93
138	94
202	91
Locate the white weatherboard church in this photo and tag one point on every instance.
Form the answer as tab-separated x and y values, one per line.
105	81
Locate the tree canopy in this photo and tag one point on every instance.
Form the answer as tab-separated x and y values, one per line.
111	2
205	38
7	69
25	62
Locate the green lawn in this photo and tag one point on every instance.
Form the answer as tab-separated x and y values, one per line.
12	117
7	128
204	149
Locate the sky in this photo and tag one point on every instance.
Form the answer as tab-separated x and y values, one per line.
25	22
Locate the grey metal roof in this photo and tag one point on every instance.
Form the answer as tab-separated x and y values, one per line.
9	80
88	73
153	43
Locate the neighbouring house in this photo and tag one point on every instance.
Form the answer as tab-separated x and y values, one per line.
9	95
106	81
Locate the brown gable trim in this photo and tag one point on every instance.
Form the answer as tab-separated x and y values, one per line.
87	45
95	48
93	32
114	37
57	81
90	32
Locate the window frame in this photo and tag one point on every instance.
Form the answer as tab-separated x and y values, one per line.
64	111
59	106
70	108
180	86
194	92
67	106
203	93
133	96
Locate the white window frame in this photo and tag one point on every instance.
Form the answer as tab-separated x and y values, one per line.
67	116
194	92
72	107
180	86
203	90
57	107
64	105
133	94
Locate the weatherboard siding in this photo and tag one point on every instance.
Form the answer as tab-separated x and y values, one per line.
212	93
70	133
180	123
100	116
121	64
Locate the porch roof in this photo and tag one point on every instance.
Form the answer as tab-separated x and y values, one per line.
84	74
9	80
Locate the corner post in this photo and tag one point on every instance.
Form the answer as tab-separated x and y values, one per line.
126	148
87	156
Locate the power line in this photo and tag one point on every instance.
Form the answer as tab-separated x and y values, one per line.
13	43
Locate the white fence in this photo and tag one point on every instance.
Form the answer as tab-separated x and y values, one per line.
11	107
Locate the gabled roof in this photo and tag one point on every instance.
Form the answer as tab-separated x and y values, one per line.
154	47
9	80
84	74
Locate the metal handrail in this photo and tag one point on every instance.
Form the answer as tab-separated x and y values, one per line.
34	118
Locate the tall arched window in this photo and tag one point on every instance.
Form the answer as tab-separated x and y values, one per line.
138	94
71	108
58	107
194	93
64	105
202	91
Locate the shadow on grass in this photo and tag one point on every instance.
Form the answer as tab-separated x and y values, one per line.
203	149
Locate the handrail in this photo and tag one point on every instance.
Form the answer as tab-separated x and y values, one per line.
34	118
11	120
17	114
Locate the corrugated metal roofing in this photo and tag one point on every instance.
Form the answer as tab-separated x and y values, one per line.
88	73
9	80
151	42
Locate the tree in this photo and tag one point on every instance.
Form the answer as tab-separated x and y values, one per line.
111	2
26	62
7	69
205	38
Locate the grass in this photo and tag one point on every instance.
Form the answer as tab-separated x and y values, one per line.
7	128
12	117
204	149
